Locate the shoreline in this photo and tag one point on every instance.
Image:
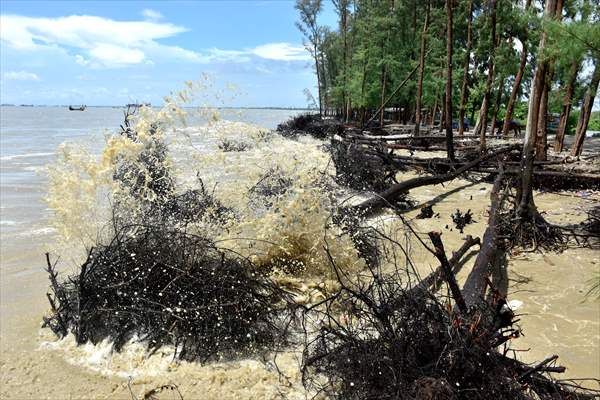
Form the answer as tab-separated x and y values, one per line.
30	370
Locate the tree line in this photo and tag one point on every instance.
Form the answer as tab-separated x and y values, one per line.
481	64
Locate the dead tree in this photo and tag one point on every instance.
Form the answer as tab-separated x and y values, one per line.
490	252
388	196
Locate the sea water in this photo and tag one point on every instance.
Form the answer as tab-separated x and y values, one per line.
29	138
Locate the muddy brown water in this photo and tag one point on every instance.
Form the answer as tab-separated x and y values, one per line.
549	290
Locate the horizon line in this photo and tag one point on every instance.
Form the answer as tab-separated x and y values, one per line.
157	106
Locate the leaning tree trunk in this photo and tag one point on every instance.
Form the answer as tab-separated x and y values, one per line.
383	82
490	80
527	208
541	133
489	253
465	87
541	140
318	82
566	108
421	73
586	111
435	106
497	105
345	100
518	78
449	138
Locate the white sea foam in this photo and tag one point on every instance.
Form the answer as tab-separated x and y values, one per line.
38	232
133	361
515	304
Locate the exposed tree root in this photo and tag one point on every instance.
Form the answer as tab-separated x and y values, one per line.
394	343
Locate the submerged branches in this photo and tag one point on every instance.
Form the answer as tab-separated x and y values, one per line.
379	339
389	195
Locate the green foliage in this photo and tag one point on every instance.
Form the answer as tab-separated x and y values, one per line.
594	124
376	44
572	122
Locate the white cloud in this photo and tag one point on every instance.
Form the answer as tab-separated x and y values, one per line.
20	76
104	42
98	42
152	14
110	53
81	31
281	52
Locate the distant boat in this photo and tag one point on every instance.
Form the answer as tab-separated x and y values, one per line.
80	108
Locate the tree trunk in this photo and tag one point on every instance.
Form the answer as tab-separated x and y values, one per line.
318	82
515	90
344	21
421	73
435	106
465	87
442	116
541	134
586	111
490	79
324	83
389	195
489	252
362	90
541	140
472	118
566	108
525	200
497	105
383	80
518	78
449	138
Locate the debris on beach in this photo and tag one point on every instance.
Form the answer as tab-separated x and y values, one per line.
378	330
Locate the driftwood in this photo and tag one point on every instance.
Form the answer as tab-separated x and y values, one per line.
354	134
434	279
489	253
388	196
543	176
447	270
394	342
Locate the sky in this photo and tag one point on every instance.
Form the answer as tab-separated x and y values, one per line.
117	52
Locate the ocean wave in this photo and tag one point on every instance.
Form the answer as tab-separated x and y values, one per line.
8	223
26	155
38	232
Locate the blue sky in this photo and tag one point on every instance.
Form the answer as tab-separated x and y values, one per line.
116	52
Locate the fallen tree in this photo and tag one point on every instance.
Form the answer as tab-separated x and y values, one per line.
491	251
388	196
379	338
163	287
152	281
